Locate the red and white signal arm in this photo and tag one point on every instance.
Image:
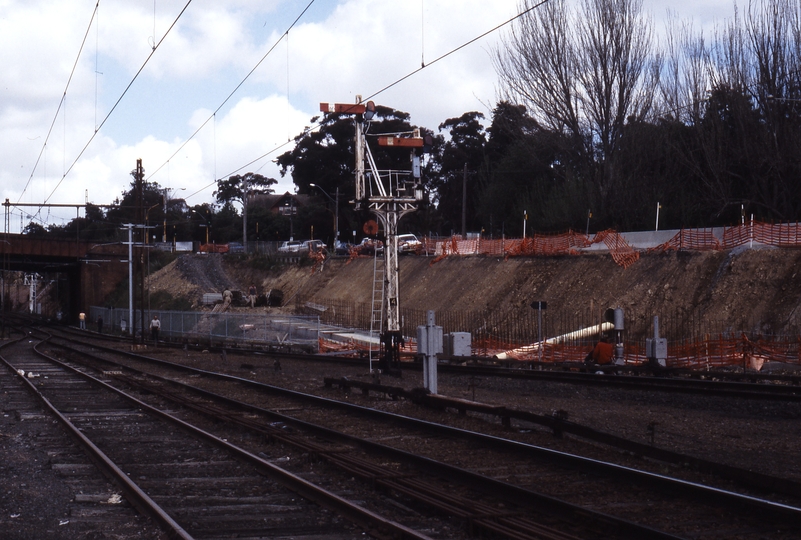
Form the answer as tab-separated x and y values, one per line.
368	109
404	142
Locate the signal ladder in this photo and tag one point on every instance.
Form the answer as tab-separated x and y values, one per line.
377	313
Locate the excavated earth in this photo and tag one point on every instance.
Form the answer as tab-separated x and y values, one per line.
744	289
761	288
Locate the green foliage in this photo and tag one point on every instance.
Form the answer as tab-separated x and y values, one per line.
234	187
586	126
266	225
34	229
461	161
226	225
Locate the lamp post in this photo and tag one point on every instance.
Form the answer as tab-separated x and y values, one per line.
147	224
336	211
206	225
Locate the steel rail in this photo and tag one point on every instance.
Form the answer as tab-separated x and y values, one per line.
666	482
559	426
670	380
690	386
488	519
133	492
371	521
611	376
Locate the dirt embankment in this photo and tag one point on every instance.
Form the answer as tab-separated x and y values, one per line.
739	290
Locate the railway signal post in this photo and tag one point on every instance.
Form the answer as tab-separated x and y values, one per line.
389	195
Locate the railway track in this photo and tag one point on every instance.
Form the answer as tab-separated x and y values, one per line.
758	386
78	500
511	472
751	386
193	483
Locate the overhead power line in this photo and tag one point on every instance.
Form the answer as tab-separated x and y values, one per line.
61	102
113	108
236	88
456	49
387	87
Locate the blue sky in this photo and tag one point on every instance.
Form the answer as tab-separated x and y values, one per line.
337	50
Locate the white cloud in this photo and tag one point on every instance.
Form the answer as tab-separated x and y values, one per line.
336	51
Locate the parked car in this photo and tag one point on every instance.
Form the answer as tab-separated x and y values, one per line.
370	246
290	246
408	243
342	248
313	245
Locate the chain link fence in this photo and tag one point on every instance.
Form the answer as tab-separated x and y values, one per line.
262	328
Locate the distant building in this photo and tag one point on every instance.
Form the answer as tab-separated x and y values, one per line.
286	204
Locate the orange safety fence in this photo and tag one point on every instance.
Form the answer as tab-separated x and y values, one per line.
695	239
708	353
359	347
622	253
711	352
213	248
318	259
771	234
569	243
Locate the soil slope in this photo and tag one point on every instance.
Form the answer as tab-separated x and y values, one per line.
756	290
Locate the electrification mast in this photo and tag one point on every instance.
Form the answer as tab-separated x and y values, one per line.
389	195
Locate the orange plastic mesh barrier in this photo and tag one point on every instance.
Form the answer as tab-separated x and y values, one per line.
694	239
360	348
772	234
213	248
622	253
571	242
568	243
318	259
708	353
700	355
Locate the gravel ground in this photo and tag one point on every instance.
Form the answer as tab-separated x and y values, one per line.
752	434
39	498
757	435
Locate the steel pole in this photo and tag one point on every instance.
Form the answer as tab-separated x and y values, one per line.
336	219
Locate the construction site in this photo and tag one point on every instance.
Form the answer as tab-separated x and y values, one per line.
717	305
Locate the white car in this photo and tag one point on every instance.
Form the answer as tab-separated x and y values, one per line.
290	246
408	243
313	245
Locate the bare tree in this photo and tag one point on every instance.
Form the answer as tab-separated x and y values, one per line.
583	72
685	79
749	148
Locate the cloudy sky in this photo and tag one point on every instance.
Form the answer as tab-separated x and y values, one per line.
177	116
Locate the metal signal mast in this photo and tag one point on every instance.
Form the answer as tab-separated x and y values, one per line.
389	195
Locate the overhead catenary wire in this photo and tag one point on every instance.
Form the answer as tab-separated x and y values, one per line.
234	91
308	130
61	101
456	49
119	100
387	87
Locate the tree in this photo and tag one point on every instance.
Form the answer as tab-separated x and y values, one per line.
241	188
325	157
583	74
460	161
34	229
738	97
126	209
94	226
525	173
